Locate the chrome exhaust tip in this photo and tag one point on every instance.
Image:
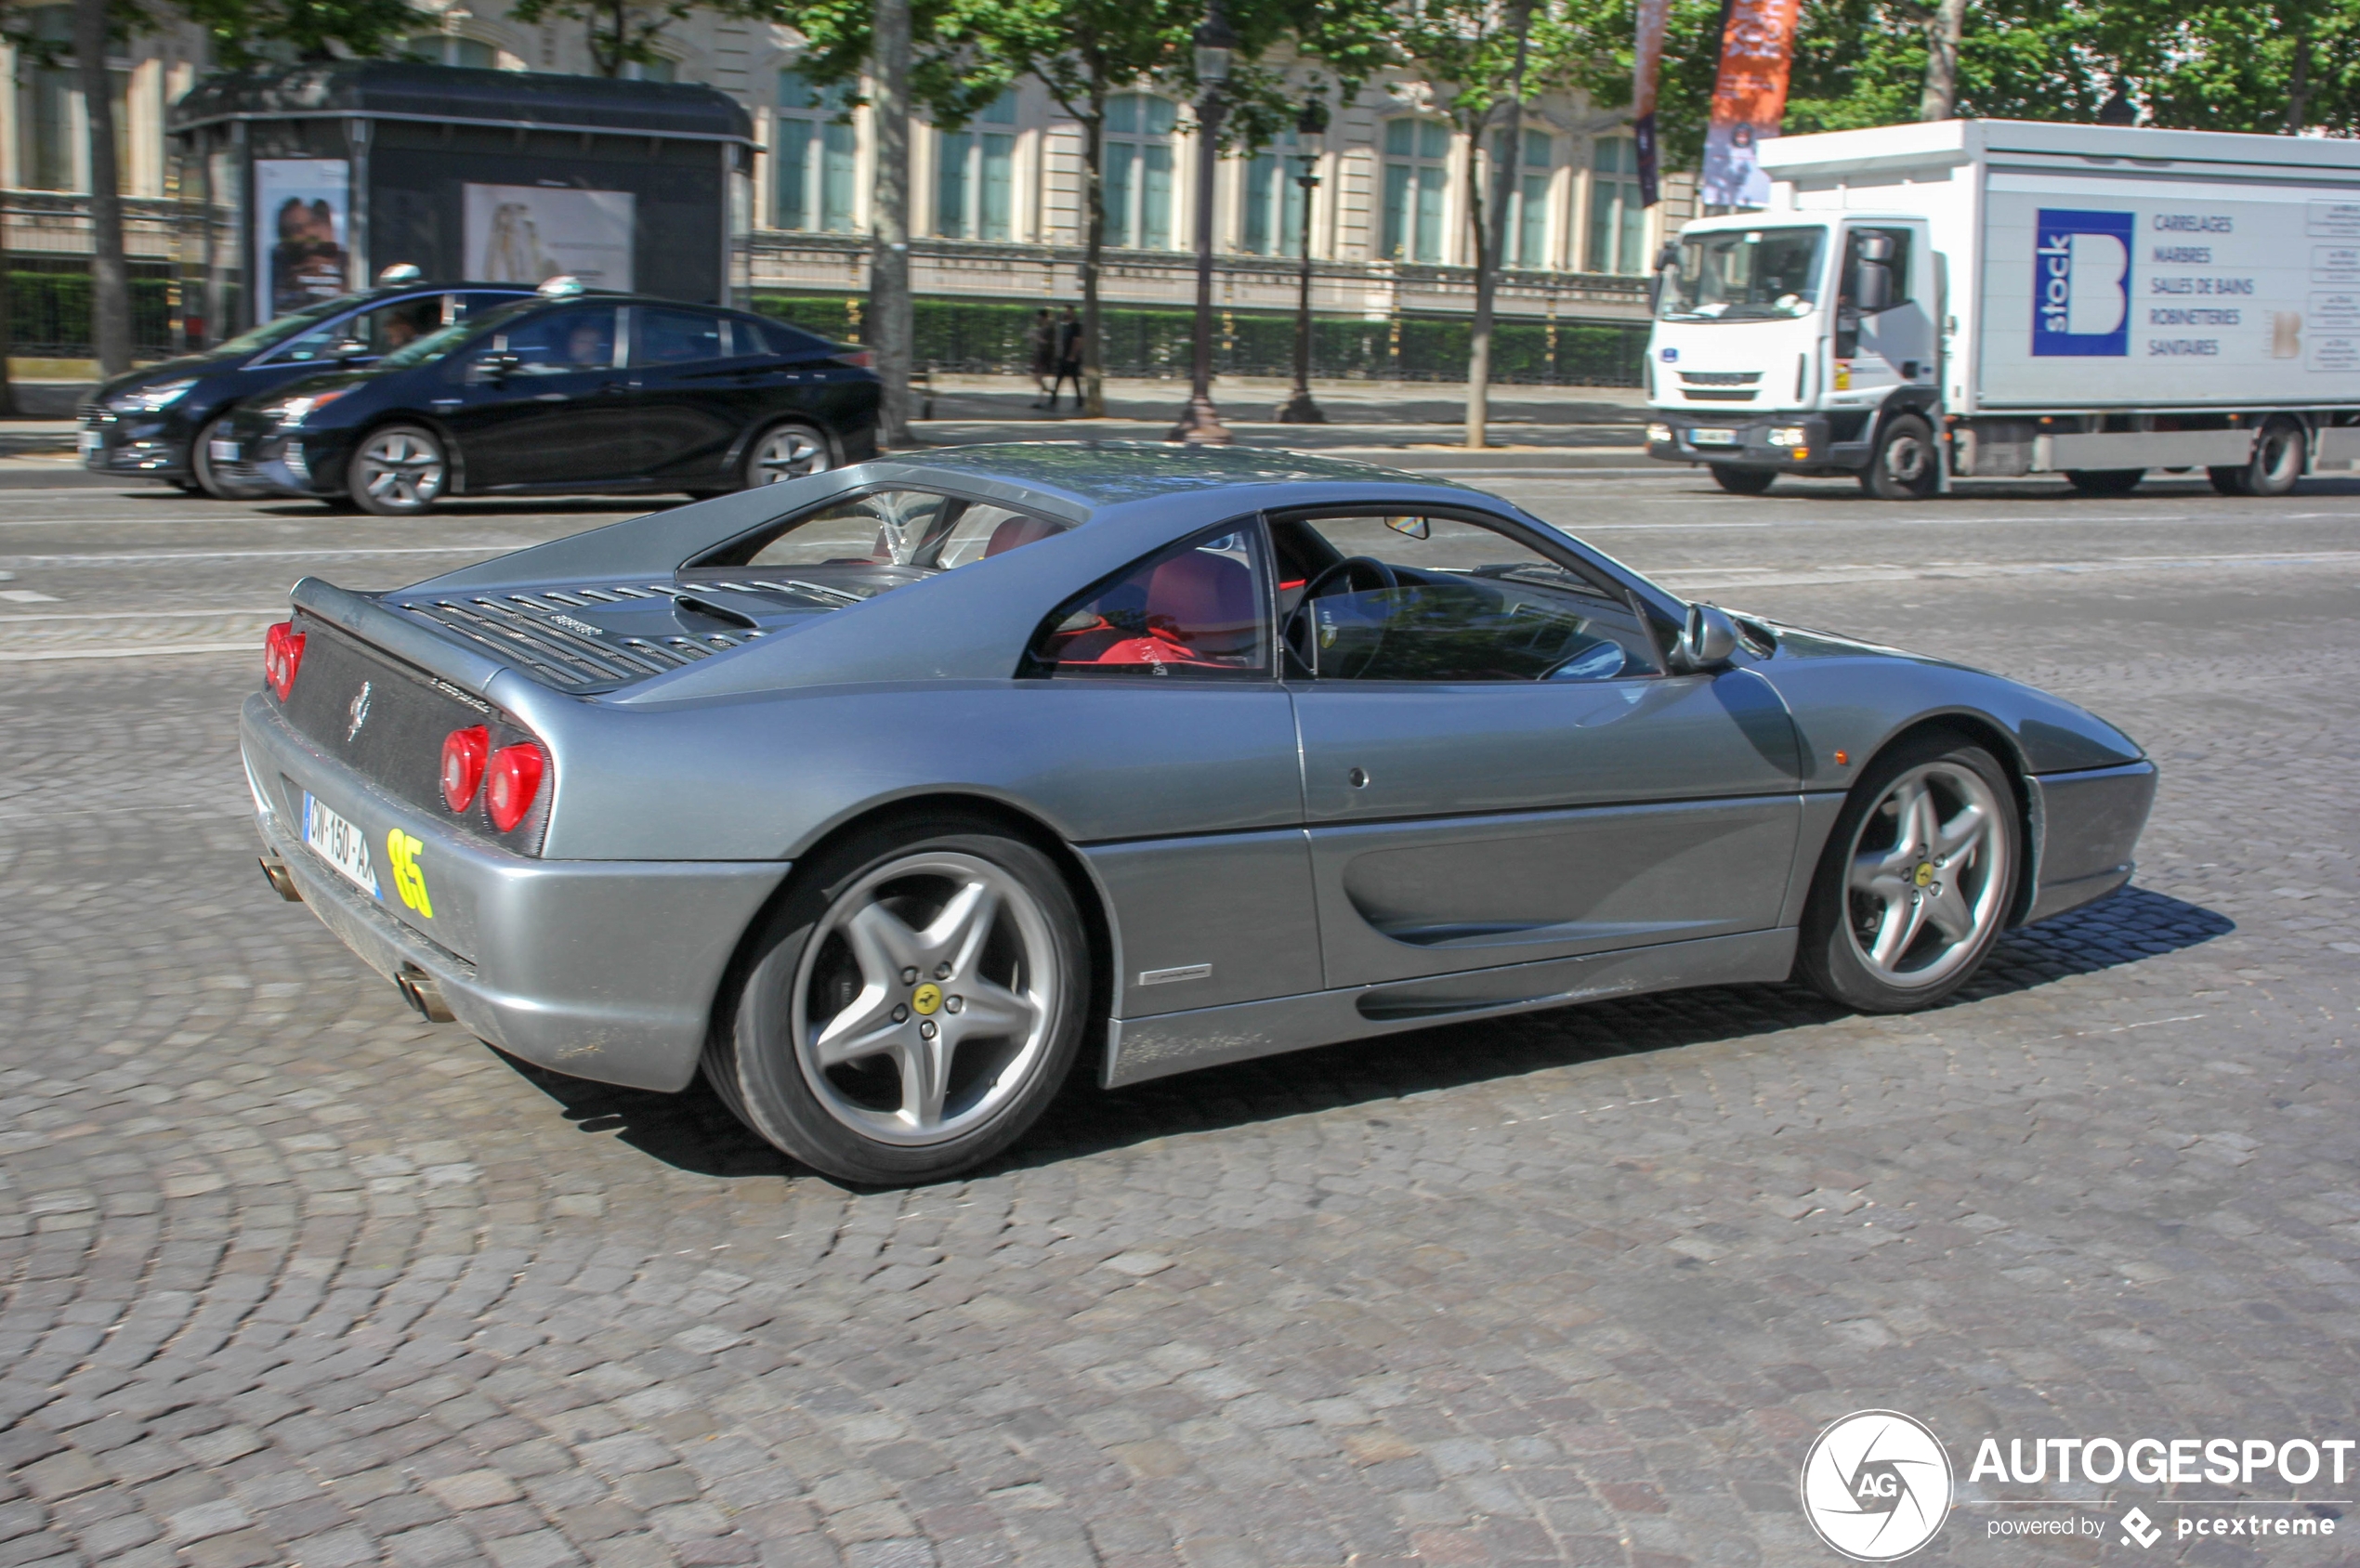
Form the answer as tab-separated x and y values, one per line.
274	871
425	997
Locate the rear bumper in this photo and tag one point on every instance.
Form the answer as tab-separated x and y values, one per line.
2089	826
604	970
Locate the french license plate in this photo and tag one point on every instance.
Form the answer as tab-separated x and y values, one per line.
222	452
340	844
1711	437
92	443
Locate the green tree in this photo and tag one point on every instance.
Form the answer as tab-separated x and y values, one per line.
624	33
253	32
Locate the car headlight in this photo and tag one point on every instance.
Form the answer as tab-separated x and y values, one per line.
1790	436
1658	434
148	399
295	411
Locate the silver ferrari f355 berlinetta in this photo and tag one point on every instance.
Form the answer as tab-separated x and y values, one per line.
883	794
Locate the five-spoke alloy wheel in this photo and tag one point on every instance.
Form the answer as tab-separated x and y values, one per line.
913	1006
786	451
399	470
1918	877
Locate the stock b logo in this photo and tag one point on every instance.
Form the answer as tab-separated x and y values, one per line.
1876	1485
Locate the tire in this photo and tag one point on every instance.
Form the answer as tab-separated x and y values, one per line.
1907	467
2105	481
869	930
398	471
1743	481
200	475
1902	855
786	451
2276	463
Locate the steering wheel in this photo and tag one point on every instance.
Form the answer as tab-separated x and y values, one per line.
1358	574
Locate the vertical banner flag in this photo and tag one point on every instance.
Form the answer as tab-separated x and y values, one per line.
1646	66
1749	99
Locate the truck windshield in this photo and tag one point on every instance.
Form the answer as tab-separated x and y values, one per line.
1744	275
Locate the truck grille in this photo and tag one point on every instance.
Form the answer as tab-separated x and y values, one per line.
1718	394
1720	378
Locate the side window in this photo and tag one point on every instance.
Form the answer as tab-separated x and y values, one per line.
1426	599
381	331
1898	264
893	528
562	343
777	337
676	337
1196	611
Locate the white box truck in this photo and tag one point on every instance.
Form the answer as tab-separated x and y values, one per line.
1996	298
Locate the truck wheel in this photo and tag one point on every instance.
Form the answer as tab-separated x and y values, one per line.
1904	468
2105	481
1743	481
2276	465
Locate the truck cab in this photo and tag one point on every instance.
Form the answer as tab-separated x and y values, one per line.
1798	342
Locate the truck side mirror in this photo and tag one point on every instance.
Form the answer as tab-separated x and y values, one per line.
1872	286
1872	246
1706	640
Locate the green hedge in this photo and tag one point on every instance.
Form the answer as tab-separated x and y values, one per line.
986	336
49	314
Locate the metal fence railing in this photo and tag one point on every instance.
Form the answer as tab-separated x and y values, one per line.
50	308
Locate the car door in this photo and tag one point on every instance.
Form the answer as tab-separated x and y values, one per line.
546	400
1894	346
1496	767
1166	675
691	392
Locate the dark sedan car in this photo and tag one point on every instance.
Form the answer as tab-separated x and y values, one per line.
158	421
570	392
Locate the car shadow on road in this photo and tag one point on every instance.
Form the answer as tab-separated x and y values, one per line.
694	1131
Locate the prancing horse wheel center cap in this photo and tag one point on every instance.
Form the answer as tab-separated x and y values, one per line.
926	998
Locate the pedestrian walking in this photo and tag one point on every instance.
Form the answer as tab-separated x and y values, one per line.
1068	357
1044	358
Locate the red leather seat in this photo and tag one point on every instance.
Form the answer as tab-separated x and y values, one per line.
1015	532
1205	602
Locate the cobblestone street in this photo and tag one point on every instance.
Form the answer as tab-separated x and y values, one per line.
287	1276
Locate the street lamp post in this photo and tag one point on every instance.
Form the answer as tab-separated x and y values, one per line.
1311	129
1201	426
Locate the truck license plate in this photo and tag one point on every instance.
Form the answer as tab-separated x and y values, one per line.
1709	438
340	844
220	450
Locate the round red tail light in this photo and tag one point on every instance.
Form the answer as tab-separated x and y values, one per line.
515	778
281	657
464	752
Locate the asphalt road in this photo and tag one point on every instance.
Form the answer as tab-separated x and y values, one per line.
287	1275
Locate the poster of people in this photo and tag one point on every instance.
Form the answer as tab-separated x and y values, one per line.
530	233
300	207
1749	99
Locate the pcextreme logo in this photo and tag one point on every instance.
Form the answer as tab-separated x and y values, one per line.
1877	1486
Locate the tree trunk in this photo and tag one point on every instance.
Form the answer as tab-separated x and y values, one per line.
1094	239
7	336
110	278
1943	32
890	325
1491	233
2299	79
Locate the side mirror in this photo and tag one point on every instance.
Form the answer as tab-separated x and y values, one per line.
1708	640
350	348
1872	290
496	367
1870	245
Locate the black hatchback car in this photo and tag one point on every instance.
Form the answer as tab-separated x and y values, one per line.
580	392
158	421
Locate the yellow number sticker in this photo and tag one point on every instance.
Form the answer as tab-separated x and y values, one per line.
409	880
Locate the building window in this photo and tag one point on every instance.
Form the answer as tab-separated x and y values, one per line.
1528	201
658	69
816	152
1138	159
48	100
1274	201
974	177
1417	172
1617	223
443	48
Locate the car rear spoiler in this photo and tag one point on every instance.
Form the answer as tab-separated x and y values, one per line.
409	641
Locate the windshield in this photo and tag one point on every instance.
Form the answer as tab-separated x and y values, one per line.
279	329
1744	275
435	345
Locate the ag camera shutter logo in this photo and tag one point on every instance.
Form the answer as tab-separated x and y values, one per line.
1877	1486
2081	285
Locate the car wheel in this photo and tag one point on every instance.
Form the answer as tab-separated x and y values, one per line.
786	451
2276	463
399	470
910	1008
1743	481
2105	481
1906	466
1916	879
201	469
